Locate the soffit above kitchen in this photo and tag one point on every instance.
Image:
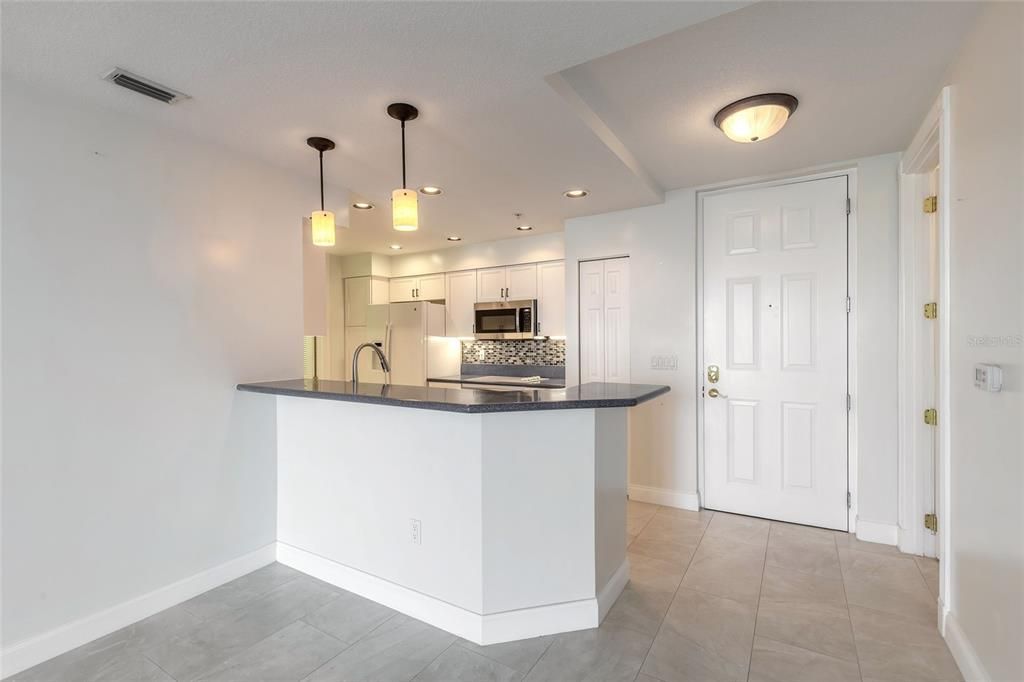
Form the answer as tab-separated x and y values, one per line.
518	101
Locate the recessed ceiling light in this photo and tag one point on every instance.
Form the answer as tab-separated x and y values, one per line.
525	228
575	193
454	238
396	247
756	118
362	205
430	190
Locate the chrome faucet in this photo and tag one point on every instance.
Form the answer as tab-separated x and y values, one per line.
380	356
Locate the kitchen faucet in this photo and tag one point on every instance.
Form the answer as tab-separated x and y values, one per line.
380	356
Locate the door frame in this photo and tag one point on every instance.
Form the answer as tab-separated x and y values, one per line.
850	173
930	145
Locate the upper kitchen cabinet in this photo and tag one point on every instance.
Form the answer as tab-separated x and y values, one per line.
460	295
420	288
551	298
509	283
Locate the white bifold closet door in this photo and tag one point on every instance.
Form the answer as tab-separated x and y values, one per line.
604	321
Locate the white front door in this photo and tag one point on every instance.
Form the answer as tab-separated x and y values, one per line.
775	328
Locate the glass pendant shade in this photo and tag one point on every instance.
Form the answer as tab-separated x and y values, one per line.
405	210
323	228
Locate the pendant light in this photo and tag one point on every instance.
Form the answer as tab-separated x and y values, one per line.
404	204
756	118
322	221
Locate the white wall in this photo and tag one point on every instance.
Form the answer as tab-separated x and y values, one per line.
661	243
987	300
521	249
143	276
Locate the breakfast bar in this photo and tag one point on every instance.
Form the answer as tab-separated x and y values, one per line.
494	515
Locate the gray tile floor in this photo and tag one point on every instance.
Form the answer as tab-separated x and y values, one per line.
712	597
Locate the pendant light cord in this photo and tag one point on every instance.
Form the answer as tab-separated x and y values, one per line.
321	182
403	155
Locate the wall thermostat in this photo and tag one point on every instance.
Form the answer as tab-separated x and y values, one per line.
988	377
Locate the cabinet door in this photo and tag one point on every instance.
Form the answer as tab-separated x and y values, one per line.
379	291
521	282
401	289
551	299
490	285
459	300
357	297
430	287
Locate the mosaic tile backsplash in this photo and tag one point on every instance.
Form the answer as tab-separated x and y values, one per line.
525	352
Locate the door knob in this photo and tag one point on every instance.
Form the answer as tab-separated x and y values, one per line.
713	393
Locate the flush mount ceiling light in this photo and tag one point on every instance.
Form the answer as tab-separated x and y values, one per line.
431	191
322	221
756	118
396	247
404	204
362	205
454	238
575	193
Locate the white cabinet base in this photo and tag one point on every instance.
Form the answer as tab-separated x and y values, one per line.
521	516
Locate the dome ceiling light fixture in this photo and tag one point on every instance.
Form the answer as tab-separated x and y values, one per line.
756	118
404	203
322	222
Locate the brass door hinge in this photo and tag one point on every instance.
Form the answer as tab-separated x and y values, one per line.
931	311
931	417
931	522
931	204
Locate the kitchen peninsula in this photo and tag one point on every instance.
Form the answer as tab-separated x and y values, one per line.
494	515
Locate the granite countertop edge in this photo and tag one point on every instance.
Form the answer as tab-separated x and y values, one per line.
647	392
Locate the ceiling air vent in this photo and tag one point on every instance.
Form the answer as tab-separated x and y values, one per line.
144	86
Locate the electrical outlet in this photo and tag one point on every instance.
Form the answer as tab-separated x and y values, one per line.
669	362
415	532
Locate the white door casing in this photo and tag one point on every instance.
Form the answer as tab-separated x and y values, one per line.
775	324
604	320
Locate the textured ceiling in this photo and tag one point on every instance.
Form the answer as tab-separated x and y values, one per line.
865	75
518	100
266	75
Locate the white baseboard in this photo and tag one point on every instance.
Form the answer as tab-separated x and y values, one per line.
963	652
664	496
883	533
34	650
479	628
607	595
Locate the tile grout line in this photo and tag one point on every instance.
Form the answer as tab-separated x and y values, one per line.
682	577
352	644
760	589
157	666
849	616
527	673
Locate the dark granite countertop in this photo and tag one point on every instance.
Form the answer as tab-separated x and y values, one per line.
472	401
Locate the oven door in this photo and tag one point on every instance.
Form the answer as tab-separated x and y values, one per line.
496	321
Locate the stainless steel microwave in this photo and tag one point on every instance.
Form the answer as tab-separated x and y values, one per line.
505	320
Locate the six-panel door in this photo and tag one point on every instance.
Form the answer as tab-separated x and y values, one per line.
775	324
